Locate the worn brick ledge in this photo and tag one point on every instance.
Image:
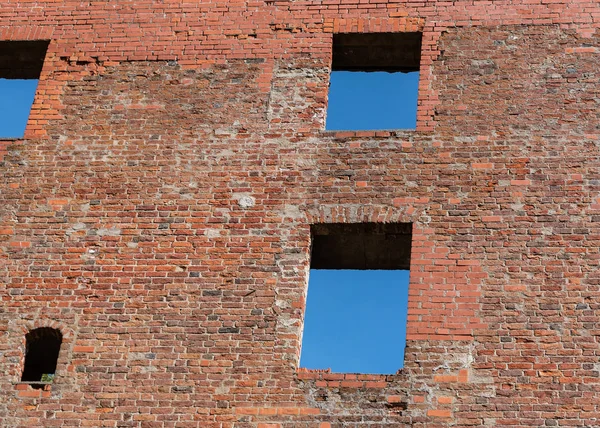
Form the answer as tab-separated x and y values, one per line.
324	378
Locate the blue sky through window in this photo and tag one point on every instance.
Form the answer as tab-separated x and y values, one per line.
361	100
16	98
355	321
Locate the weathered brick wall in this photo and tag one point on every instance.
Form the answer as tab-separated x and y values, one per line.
158	210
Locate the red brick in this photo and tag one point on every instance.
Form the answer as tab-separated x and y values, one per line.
445	400
439	413
30	393
83	349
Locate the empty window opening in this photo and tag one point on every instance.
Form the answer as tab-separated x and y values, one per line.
20	66
355	319
374	81
42	346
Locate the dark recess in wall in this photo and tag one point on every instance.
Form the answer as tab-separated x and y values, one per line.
377	52
361	246
22	59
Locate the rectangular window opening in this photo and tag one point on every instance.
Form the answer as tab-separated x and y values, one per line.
41	356
374	81
20	67
357	301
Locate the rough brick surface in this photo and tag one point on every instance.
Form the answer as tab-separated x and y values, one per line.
158	213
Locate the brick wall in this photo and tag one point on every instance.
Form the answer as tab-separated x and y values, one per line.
158	214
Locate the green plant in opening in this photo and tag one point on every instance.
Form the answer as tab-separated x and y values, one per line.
48	377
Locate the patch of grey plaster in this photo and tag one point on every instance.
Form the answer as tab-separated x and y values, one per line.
226	153
286	322
246	201
517	207
212	233
458	360
283	304
306	163
77	227
292	212
147	369
319	116
223	389
229	130
224	131
133	356
112	231
424	218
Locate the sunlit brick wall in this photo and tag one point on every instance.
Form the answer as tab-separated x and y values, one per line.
158	214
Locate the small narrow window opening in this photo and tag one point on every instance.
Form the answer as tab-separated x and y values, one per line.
20	67
42	347
357	301
374	81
